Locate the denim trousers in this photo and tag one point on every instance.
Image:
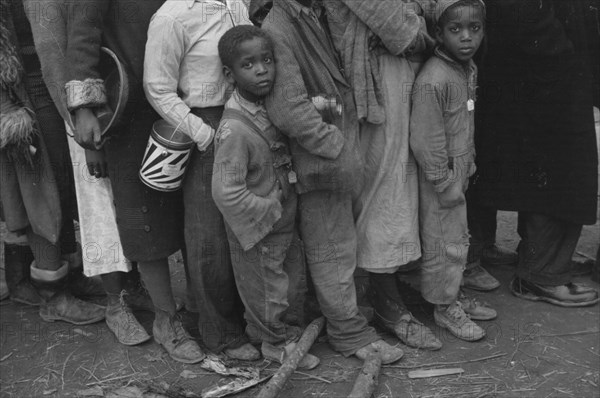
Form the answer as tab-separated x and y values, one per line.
262	280
329	235
546	248
444	242
209	269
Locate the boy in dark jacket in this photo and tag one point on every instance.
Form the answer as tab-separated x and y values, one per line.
327	163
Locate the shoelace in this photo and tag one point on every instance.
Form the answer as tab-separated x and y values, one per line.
457	313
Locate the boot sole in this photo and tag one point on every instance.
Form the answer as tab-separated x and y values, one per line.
533	297
389	327
448	328
88	322
182	360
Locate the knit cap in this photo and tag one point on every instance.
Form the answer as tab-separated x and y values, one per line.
443	5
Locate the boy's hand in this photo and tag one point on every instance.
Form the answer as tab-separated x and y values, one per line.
87	129
276	193
452	196
96	163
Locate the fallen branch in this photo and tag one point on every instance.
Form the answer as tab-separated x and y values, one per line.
366	381
427	365
592	331
289	365
421	374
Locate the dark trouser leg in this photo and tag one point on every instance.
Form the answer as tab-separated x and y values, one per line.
327	229
55	138
221	323
482	227
546	247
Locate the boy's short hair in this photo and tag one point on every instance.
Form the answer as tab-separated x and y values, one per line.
443	6
231	40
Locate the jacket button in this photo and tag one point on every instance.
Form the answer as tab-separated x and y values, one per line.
147	228
144	209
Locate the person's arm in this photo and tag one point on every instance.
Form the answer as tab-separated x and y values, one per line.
395	22
85	89
251	217
165	50
427	134
291	110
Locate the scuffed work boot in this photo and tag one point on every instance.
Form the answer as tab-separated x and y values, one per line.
121	321
388	353
169	333
57	303
17	261
453	318
477	278
477	310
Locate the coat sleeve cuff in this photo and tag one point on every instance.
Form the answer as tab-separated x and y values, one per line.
87	93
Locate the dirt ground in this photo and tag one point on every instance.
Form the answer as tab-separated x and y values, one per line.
531	350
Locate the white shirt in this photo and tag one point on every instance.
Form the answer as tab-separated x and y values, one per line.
182	69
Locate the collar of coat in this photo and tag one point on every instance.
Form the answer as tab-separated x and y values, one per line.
11	69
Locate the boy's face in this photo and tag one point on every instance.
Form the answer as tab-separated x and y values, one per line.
253	70
462	32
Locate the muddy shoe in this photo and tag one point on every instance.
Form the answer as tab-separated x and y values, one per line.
25	293
279	353
85	287
410	331
569	295
477	310
388	353
170	334
124	325
498	255
64	307
245	352
477	278
454	318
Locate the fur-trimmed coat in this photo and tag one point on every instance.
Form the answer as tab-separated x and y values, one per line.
29	192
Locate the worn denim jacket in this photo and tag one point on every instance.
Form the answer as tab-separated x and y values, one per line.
442	120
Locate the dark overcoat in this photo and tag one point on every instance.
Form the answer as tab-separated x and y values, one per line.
536	145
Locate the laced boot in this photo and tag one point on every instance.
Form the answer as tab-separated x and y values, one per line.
388	353
121	321
454	318
169	333
57	303
17	260
395	318
477	310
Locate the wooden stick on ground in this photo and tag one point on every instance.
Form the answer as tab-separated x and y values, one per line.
275	385
366	381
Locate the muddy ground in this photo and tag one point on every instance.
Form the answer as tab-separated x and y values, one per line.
531	350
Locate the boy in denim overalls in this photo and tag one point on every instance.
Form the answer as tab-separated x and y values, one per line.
442	139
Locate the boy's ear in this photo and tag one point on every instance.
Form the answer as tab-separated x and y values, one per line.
228	74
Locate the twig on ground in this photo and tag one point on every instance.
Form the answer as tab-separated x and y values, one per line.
591	331
62	374
4	358
494	356
110	379
313	377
